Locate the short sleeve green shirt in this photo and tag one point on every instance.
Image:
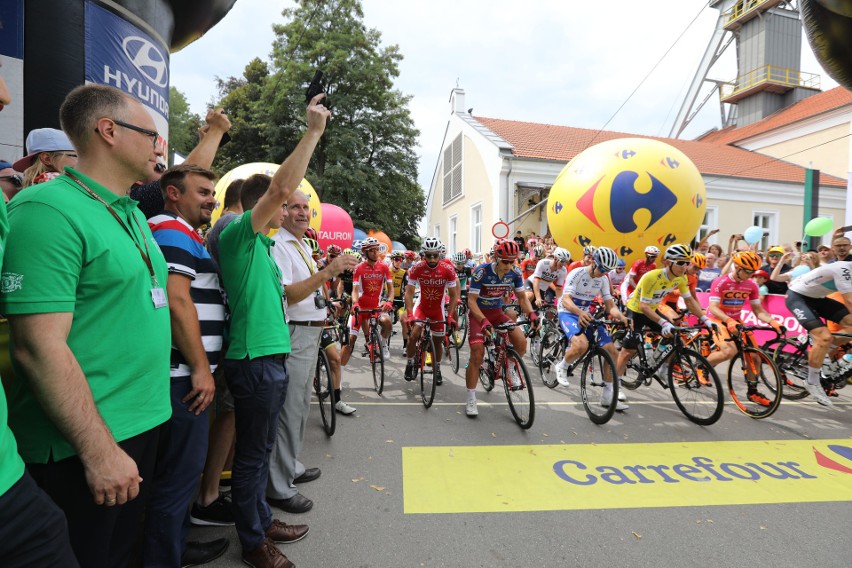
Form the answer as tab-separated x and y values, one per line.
252	281
67	253
11	464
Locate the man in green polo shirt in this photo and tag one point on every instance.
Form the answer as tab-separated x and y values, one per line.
259	344
83	287
33	531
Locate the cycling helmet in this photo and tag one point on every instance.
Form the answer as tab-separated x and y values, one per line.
589	250
333	250
746	259
538	251
311	233
677	253
506	250
443	250
397	254
605	259
432	244
356	244
652	250
459	258
370	243
622	263
699	260
354	253
467	253
410	255
562	255
313	244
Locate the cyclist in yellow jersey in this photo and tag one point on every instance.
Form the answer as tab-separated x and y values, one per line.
400	278
652	288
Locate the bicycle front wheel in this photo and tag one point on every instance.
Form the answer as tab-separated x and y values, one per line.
518	389
461	331
791	359
758	392
453	348
551	351
633	377
427	372
324	389
597	366
377	361
695	387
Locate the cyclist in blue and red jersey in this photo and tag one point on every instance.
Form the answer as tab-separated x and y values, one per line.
490	282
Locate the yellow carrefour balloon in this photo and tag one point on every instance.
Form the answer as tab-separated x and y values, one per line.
246	170
626	194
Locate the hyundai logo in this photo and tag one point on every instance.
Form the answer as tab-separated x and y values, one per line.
148	59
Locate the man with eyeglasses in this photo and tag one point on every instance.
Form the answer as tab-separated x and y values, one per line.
11	180
90	322
650	291
728	296
840	247
773	256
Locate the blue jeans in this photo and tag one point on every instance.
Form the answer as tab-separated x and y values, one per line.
33	531
180	460
259	388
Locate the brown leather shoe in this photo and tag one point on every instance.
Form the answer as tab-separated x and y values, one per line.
280	531
267	555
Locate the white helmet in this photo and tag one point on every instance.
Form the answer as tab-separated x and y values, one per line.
369	243
652	250
589	249
606	259
459	258
562	255
432	244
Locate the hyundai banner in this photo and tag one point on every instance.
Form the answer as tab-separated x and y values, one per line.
121	55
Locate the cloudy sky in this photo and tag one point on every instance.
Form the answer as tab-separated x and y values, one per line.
550	61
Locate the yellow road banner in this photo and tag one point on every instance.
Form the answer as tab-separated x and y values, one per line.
468	479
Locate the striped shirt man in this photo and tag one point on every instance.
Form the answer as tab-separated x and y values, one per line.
185	254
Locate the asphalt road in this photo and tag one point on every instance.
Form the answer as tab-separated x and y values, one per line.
366	500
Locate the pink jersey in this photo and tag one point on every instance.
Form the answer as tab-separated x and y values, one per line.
732	295
639	268
433	283
370	281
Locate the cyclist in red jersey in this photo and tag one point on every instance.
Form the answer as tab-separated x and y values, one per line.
587	260
435	278
728	296
528	266
368	280
640	267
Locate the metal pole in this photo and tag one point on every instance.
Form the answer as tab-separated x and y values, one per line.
539	204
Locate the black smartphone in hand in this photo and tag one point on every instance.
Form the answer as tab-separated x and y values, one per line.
315	87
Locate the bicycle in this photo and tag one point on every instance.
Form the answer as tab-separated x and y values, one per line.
757	367
548	318
506	365
693	382
791	356
452	347
324	389
373	339
426	346
461	320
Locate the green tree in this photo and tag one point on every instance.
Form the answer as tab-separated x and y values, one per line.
365	162
183	125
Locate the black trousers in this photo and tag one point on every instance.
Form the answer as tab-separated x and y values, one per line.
102	537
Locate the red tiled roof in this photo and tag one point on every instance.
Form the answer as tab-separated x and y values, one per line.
811	106
562	143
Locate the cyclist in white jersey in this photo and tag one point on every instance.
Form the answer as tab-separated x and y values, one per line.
807	301
545	284
583	285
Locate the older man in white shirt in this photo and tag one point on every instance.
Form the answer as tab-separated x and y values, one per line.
306	314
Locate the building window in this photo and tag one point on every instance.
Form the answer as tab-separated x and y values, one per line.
711	221
452	236
476	228
768	221
437	232
453	170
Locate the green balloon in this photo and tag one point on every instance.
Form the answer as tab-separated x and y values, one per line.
818	226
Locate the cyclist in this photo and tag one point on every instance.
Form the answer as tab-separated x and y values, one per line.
545	284
316	251
584	284
652	288
728	296
410	258
669	306
806	299
470	263
616	277
344	285
528	266
463	271
638	269
434	278
369	280
588	251
490	282
400	276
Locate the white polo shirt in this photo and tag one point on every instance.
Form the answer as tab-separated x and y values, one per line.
295	267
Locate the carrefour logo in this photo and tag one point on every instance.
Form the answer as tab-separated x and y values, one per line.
147	58
616	476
